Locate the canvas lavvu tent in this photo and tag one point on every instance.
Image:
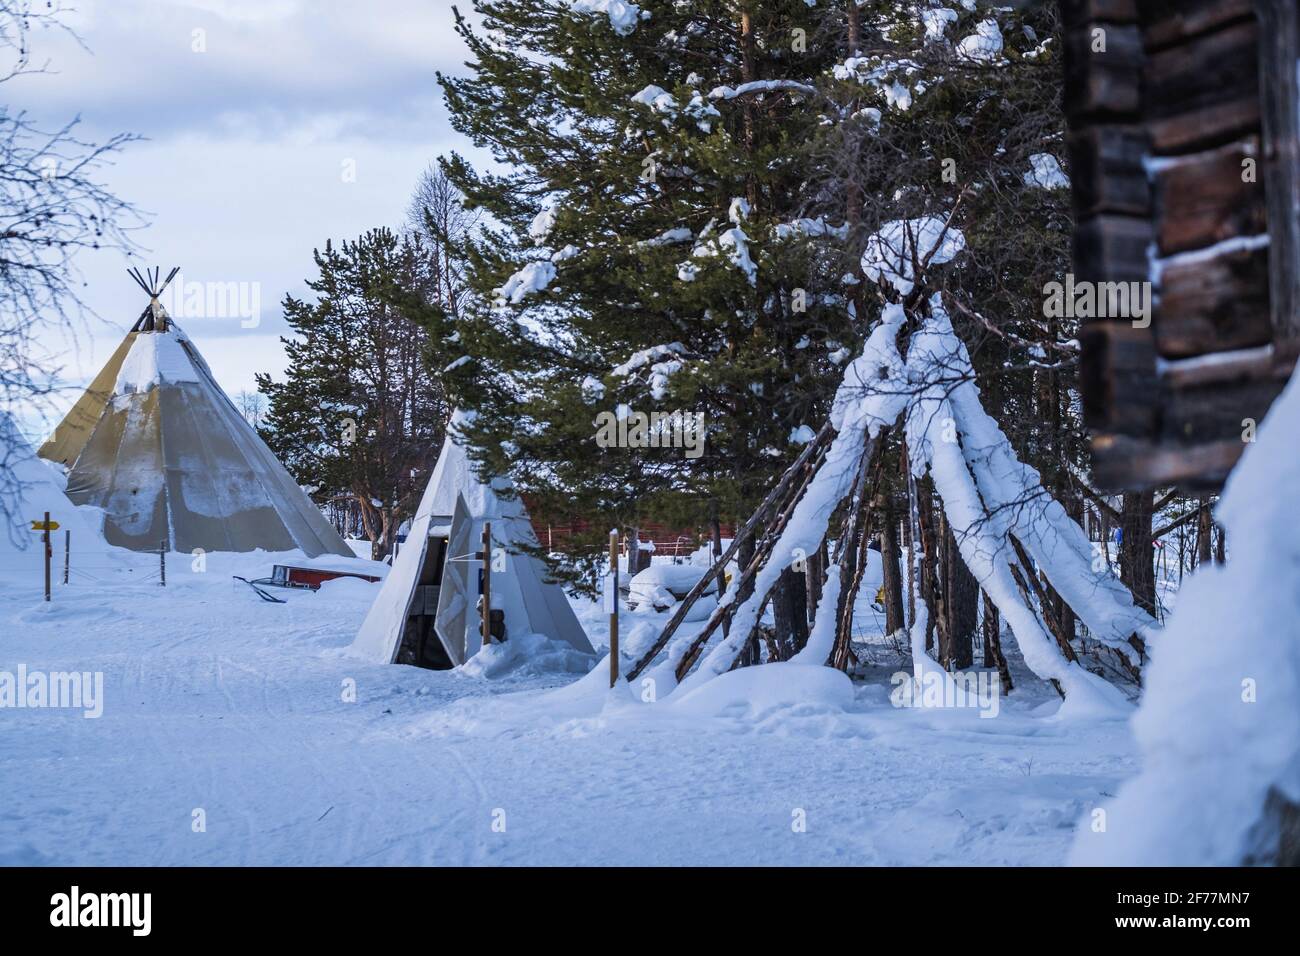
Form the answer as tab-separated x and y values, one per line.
425	612
156	444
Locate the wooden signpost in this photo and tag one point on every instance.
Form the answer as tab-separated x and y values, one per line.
611	602
45	527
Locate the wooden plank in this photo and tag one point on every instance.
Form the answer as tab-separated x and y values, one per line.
1103	85
1117	371
1107	172
1121	463
1239	366
1110	248
1168	22
1280	109
1206	198
1215	412
1204	92
1213	305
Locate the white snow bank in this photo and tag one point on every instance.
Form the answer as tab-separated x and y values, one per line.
750	691
31	487
678	578
661	586
531	653
1219	725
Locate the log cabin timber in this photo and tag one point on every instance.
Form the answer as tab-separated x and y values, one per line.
1182	141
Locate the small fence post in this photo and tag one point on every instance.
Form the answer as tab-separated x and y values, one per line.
162	563
613	608
45	546
67	553
487	583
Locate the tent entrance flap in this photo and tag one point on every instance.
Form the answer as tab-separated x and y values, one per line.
455	601
420	643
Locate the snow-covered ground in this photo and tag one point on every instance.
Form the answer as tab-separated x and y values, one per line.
229	735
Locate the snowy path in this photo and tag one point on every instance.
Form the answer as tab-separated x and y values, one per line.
219	702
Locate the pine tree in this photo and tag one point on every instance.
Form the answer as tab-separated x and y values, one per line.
358	415
649	250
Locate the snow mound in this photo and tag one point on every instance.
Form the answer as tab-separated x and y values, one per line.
754	691
31	487
525	653
678	578
1218	724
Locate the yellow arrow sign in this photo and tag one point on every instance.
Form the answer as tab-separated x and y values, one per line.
39	525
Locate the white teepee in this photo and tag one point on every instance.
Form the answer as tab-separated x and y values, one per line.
425	612
156	444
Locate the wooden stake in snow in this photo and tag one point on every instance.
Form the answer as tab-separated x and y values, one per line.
67	554
162	563
613	607
45	540
486	555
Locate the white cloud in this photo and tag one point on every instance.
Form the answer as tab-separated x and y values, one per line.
242	170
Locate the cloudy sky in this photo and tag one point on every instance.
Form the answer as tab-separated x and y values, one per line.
271	126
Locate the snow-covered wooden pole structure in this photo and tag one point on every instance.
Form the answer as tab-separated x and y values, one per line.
1007	527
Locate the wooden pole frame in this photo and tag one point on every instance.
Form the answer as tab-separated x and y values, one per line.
816	447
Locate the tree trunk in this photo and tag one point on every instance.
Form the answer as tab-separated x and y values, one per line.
1137	569
926	519
1220	546
1204	529
790	612
813	581
993	656
892	577
745	556
961	602
716	527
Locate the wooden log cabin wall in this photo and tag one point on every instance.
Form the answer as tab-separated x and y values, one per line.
1183	149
